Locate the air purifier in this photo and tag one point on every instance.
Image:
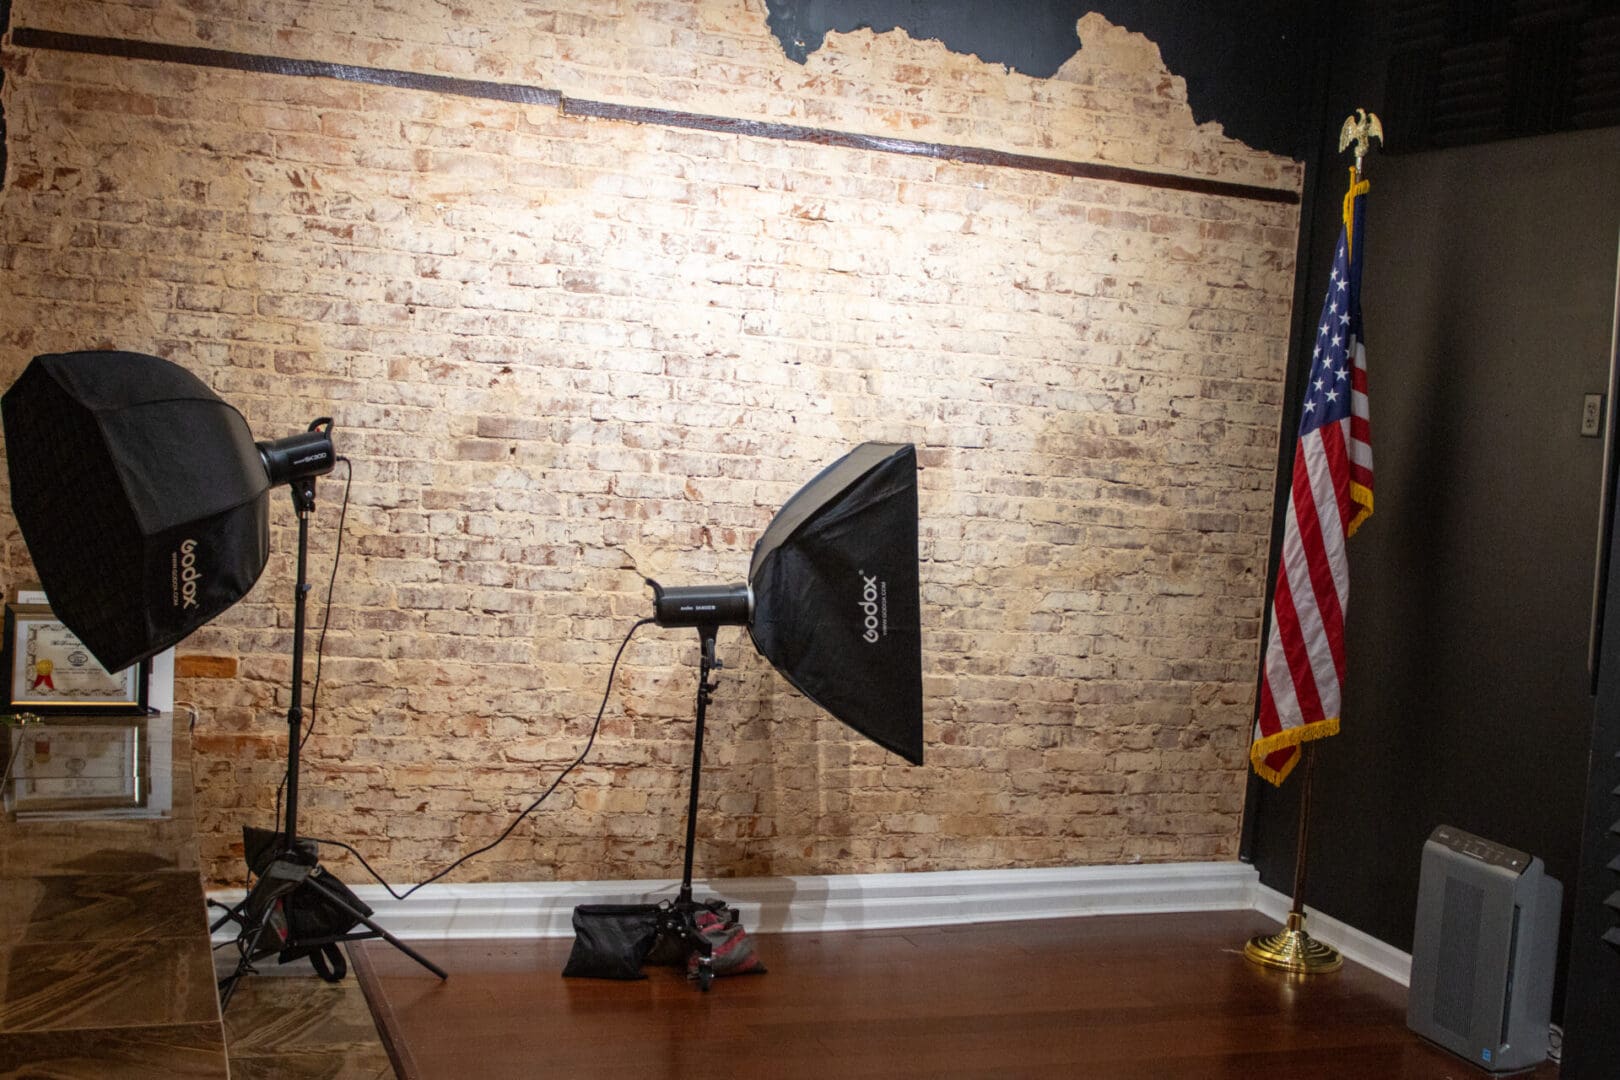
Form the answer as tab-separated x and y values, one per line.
1483	949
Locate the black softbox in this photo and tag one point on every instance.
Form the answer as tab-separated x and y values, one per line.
141	495
831	598
835	590
832	601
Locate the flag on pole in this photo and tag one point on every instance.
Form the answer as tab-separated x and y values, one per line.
1302	671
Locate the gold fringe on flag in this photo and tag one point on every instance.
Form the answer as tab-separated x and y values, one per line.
1360	494
1261	749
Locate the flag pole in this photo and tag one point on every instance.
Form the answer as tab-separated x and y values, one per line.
1292	949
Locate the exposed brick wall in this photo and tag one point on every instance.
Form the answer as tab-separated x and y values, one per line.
567	353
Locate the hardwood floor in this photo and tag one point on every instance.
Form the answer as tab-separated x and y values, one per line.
1112	998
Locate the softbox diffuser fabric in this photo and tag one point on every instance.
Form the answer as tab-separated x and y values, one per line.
836	606
140	494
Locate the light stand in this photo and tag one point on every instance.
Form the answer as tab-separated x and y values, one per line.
706	609
679	920
145	504
832	600
295	863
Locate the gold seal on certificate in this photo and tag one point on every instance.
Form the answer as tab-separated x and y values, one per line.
50	669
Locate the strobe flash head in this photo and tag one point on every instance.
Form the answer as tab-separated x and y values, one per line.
299	456
702	605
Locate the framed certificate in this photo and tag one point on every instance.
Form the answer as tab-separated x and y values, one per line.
79	767
49	669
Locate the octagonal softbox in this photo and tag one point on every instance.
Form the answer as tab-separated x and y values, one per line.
140	494
835	594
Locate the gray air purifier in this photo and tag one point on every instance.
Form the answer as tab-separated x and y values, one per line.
1483	950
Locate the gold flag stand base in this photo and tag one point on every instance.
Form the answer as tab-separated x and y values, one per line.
1293	950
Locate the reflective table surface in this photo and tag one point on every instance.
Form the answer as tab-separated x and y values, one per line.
105	964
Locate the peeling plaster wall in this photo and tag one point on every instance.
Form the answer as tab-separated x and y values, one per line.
564	353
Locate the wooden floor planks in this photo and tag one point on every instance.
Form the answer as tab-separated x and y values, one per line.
1159	996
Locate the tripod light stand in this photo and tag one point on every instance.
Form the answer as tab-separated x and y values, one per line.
144	502
295	864
832	602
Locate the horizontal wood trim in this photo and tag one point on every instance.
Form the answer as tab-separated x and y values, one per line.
532	910
30	38
966	155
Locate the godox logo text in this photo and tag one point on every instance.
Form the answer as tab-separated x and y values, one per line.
189	576
869	607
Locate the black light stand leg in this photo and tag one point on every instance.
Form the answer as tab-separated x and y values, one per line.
377	930
256	914
303	496
295	863
680	919
706	665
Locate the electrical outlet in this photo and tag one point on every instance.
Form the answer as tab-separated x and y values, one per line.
1592	415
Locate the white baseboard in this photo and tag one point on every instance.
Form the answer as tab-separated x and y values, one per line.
867	902
835	902
1364	949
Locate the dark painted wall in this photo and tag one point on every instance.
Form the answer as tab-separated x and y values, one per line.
1247	62
1594	954
1488	302
1466	71
1488	298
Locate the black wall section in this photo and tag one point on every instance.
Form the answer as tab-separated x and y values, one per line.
1466	71
1594	955
1246	62
1488	302
1468	699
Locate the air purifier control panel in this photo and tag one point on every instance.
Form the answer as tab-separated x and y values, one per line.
1476	847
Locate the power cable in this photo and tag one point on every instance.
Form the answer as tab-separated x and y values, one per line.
589	742
320	644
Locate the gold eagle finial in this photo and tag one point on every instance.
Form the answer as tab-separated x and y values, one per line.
1360	129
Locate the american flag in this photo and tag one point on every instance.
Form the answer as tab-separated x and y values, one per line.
1303	669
